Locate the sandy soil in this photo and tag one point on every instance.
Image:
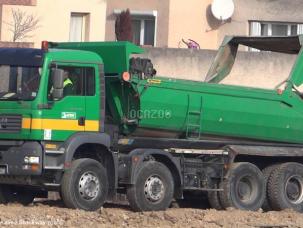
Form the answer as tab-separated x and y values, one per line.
52	213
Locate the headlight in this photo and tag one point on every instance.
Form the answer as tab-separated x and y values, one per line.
31	160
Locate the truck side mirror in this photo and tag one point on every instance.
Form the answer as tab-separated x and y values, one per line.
57	77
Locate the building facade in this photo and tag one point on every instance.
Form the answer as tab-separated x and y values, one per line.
58	20
158	23
164	23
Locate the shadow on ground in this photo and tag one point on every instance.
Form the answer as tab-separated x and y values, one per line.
191	200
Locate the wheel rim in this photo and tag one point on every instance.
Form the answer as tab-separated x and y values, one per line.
246	190
154	189
294	189
89	186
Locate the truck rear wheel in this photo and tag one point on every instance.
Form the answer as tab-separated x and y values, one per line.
285	187
84	185
243	188
213	199
153	189
266	173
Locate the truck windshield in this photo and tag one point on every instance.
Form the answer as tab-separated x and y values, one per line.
19	83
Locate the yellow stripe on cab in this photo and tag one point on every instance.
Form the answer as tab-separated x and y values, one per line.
59	124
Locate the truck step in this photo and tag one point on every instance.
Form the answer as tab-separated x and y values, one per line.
194	112
51	184
54	152
54	167
194	118
193	125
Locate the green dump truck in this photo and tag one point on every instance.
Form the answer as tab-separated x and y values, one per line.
89	120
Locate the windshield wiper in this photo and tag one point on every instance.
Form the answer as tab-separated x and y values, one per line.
7	95
11	97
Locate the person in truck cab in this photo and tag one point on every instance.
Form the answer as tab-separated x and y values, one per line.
68	86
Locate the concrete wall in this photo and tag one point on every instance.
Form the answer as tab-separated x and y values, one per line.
161	6
54	19
263	70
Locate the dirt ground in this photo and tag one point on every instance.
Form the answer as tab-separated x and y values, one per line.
52	213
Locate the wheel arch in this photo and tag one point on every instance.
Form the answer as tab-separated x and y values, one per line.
138	156
78	139
95	146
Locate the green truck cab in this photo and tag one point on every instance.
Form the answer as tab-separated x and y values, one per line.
88	120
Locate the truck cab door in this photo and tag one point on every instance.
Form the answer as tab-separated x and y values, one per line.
92	99
66	116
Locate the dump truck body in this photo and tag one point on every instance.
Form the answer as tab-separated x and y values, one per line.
190	109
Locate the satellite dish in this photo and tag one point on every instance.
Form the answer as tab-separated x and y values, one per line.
222	9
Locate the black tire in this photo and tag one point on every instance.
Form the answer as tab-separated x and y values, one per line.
214	200
76	185
151	175
266	173
22	196
243	188
285	187
16	194
5	194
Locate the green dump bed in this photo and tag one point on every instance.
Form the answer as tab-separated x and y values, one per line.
185	109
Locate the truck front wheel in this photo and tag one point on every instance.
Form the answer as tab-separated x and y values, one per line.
84	185
153	189
243	188
5	194
285	187
15	193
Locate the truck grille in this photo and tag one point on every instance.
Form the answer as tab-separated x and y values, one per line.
10	123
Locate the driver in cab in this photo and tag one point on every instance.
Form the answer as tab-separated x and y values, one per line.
68	86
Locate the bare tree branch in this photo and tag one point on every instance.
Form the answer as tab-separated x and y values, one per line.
23	24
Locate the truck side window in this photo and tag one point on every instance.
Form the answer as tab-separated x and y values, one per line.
78	81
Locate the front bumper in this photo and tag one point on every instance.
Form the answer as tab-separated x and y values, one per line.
15	158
